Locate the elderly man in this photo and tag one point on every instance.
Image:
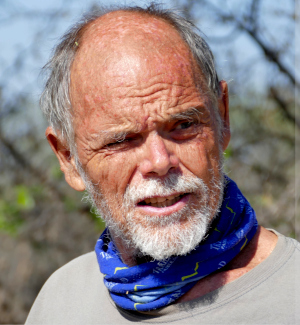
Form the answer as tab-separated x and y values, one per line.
139	119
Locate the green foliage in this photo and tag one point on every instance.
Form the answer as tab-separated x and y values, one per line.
24	198
16	201
71	204
228	152
55	171
75	202
10	220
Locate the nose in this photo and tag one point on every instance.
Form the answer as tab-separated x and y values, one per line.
156	160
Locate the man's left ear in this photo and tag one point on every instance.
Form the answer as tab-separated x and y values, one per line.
223	105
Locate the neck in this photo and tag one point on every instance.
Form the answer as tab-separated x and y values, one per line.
259	248
127	253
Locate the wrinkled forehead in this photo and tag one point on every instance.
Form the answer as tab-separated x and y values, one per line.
123	43
125	55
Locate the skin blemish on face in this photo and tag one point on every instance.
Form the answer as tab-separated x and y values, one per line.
87	99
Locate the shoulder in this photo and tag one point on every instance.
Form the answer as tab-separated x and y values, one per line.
77	267
282	267
286	252
271	243
74	287
77	271
286	243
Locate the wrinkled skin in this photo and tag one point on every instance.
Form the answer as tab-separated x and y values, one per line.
139	88
132	74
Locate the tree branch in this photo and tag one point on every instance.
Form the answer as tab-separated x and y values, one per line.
269	53
283	107
254	14
25	163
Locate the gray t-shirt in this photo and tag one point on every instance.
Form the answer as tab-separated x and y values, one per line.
268	294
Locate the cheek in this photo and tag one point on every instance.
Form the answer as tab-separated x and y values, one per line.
112	173
201	156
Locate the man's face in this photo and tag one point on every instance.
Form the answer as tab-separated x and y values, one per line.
146	134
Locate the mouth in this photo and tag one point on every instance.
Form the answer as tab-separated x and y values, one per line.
162	202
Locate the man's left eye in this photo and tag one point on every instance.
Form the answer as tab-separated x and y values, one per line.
184	125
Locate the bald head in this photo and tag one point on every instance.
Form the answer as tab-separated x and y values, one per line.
128	52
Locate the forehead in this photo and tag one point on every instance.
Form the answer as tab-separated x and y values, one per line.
113	28
126	62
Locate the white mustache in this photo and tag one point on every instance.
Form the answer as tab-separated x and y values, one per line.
172	184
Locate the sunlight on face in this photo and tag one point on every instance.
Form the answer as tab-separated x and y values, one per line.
148	138
162	236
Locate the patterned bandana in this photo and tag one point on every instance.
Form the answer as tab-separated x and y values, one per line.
156	284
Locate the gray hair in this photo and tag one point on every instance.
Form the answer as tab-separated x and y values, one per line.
55	99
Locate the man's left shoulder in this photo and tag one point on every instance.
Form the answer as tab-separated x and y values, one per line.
286	246
287	243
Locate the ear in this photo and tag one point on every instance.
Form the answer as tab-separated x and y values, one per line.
223	104
66	161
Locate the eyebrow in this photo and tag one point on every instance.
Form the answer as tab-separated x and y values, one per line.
107	136
190	114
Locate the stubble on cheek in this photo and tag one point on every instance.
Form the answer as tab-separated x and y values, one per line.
111	177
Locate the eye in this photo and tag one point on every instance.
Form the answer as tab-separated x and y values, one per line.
185	129
121	143
183	125
117	143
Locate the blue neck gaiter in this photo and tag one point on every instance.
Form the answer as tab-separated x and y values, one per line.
157	284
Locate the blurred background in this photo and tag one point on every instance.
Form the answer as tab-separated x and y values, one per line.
44	223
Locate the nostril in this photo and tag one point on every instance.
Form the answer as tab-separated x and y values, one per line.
157	159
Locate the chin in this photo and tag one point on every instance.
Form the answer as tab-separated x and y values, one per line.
163	237
166	235
178	233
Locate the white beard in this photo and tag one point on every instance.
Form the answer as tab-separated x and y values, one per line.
176	234
162	236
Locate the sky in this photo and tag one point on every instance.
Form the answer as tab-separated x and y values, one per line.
20	21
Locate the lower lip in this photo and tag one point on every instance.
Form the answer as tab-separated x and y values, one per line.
147	209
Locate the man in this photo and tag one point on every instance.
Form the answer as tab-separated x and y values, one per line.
139	119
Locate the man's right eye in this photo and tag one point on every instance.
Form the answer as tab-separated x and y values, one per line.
119	143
